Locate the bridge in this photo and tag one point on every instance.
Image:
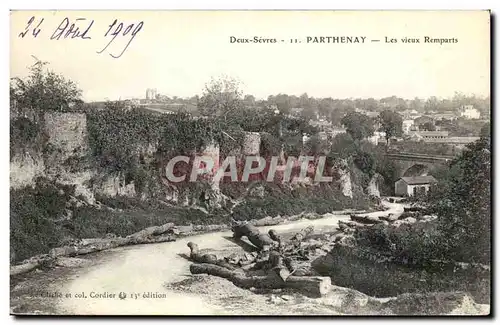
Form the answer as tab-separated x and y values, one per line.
416	164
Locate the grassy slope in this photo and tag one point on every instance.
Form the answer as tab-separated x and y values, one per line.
38	223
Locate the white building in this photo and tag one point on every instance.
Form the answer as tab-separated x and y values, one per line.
407	124
377	137
373	139
336	131
151	93
410	114
409	186
367	113
428	135
469	112
305	138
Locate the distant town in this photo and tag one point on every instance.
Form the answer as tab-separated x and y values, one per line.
454	122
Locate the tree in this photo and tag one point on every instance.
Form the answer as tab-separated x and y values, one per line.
371	104
44	90
304	101
485	131
325	106
365	161
427	126
343	145
432	104
115	105
358	125
391	123
462	202
249	100
221	97
336	116
308	113
416	104
315	146
283	102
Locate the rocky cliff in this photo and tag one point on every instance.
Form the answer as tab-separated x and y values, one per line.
74	184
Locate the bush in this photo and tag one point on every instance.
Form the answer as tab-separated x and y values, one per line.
25	135
463	203
36	223
33	215
89	223
283	200
412	244
365	161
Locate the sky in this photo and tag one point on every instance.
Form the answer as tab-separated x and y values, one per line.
178	52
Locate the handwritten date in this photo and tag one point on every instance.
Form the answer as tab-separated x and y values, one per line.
116	30
81	28
73	31
35	30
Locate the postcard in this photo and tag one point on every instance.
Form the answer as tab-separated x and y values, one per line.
252	162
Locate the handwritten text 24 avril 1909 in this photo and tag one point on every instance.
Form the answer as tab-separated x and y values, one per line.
81	28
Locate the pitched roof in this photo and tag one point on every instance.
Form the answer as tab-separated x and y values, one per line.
416	180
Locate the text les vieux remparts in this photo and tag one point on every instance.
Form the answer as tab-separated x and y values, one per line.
81	29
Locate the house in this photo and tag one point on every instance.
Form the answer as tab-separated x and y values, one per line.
321	124
408	186
415	137
305	138
322	135
469	112
295	111
373	139
413	112
423	119
428	136
334	131
445	116
456	141
410	114
407	124
274	108
378	137
367	113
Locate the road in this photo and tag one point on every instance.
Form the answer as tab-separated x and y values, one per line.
146	269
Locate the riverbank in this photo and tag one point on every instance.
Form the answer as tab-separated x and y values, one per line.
50	215
143	270
155	234
132	269
157	281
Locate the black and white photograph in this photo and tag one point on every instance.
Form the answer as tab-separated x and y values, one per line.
250	162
